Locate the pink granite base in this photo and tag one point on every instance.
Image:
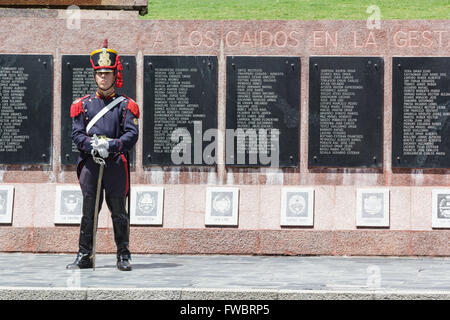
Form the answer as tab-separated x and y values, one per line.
145	240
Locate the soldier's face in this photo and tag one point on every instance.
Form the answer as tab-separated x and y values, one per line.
104	79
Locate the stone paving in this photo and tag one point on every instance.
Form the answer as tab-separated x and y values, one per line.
268	276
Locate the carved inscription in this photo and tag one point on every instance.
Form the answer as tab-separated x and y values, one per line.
262	111
180	103
421	109
13	108
172	105
339	111
345	116
344	38
254	93
421	113
25	109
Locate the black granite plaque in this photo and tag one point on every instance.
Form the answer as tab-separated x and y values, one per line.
26	90
77	80
180	110
420	112
345	112
262	111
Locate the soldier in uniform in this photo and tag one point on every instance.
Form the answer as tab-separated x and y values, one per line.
109	136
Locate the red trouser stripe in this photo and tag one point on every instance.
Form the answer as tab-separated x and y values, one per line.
125	162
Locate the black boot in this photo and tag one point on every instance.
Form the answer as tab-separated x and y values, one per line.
87	225
123	263
83	261
121	225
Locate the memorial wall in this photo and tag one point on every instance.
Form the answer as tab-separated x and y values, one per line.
256	137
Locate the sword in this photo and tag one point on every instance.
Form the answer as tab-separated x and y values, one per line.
101	162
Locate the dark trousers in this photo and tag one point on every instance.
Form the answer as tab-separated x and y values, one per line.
115	187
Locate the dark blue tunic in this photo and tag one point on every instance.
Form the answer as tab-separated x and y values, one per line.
120	125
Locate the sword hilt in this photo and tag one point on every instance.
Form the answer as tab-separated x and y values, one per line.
98	160
94	153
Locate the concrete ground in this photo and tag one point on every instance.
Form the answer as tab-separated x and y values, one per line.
208	277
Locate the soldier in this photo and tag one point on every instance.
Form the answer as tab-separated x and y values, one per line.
110	135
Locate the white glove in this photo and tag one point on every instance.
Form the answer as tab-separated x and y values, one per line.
101	143
103	152
101	146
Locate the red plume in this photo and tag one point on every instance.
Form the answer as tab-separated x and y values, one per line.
105	43
119	81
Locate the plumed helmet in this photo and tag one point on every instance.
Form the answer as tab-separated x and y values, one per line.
107	60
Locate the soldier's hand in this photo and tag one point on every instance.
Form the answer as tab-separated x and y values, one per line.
102	143
102	152
94	141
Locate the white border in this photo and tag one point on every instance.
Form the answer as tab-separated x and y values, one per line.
372	222
222	221
297	221
66	219
150	220
7	218
435	221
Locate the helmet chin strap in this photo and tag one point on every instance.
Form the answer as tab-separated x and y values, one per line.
114	82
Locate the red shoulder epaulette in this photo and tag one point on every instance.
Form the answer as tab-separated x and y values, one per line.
133	107
77	107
